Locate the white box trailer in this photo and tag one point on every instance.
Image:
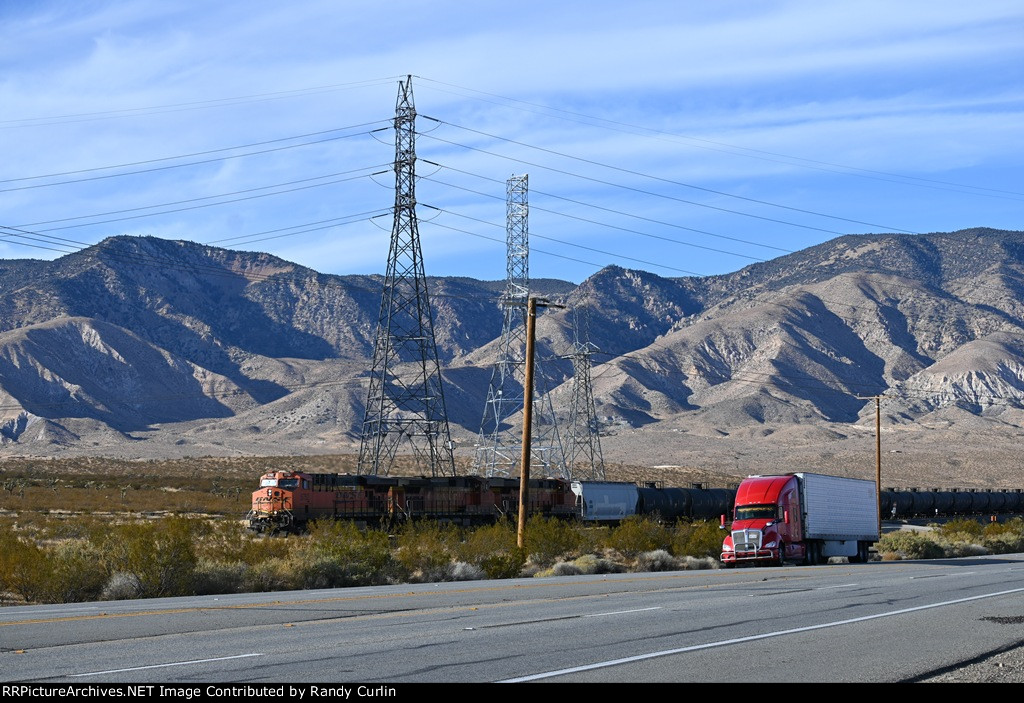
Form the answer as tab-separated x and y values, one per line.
837	508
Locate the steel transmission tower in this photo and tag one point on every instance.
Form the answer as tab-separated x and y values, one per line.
583	458
500	447
405	403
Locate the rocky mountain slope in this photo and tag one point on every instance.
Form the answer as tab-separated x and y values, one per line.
146	347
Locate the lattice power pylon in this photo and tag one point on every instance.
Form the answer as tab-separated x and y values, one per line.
583	458
500	446
405	403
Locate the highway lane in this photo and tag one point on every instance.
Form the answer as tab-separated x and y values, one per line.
887	621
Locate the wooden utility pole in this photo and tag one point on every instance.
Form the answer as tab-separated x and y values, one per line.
524	470
878	461
878	456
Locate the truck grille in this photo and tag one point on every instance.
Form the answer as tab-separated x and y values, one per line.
746	540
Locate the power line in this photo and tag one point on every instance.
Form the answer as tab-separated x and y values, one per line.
601	208
206	205
201	153
608	225
671	181
183	107
641	191
746	152
574	245
211	197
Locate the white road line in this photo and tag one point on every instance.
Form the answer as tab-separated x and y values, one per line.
621	612
751	638
161	666
944	576
60	610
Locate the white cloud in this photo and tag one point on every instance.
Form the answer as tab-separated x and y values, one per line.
925	89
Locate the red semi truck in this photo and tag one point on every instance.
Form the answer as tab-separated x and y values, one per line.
803	517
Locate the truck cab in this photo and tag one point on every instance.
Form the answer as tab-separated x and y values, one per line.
766	522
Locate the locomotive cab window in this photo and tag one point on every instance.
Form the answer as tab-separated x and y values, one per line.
268	483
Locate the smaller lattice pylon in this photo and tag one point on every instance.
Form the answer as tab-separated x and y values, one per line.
500	445
583	458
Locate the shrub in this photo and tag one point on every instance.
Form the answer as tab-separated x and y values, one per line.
964	526
229	541
1011	526
160	555
962	548
564	568
638	534
593	564
690	563
122	586
426	550
656	560
907	544
275	574
74	573
503	565
549	538
337	553
24	569
461	571
1004	542
494	549
213	577
699	539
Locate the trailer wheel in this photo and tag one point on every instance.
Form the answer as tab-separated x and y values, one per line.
863	552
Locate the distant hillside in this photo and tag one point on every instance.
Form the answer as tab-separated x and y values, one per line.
145	346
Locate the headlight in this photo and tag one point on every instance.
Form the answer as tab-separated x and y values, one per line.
770	545
726	547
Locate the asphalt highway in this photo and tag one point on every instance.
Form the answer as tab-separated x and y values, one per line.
875	622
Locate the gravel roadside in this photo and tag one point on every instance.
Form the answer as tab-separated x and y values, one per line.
1005	667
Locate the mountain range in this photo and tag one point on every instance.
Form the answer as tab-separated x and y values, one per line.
144	347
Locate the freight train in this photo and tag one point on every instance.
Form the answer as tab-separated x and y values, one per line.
287	501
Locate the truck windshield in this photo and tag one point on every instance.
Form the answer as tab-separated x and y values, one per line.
755	512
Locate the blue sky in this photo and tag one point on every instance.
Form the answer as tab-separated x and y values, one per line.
678	137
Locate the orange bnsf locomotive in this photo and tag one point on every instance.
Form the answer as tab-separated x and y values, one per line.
287	500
